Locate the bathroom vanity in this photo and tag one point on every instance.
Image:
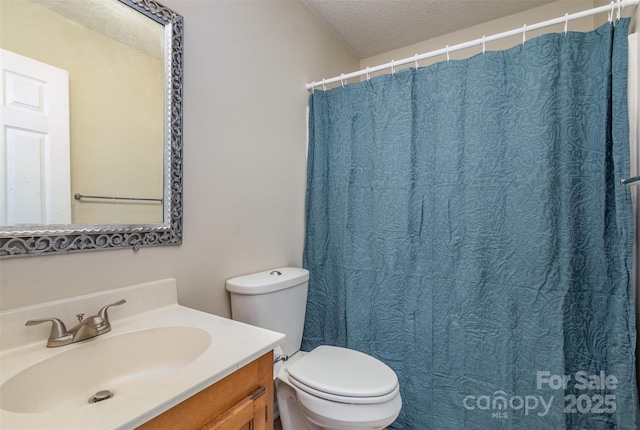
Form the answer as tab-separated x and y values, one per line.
166	366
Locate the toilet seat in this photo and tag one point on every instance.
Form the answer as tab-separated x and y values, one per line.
346	399
344	375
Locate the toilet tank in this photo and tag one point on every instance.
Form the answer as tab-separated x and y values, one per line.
274	299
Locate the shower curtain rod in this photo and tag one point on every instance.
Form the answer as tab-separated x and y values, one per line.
613	7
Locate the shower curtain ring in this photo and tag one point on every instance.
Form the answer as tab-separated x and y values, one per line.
619	5
415	58
342	79
610	14
447	48
566	22
368	76
393	69
324	87
524	33
484	44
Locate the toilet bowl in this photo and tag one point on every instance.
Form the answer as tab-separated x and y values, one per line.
337	388
328	388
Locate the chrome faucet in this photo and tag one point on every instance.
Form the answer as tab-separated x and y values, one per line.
86	328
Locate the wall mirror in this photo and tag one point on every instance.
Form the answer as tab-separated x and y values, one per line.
91	143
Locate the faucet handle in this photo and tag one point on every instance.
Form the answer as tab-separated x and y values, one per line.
58	328
102	313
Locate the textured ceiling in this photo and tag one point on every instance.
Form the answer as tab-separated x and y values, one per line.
370	27
123	24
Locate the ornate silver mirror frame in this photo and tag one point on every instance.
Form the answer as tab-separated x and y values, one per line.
31	240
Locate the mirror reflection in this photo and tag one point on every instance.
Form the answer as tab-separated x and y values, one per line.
83	113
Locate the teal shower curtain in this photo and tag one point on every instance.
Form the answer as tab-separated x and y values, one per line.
466	226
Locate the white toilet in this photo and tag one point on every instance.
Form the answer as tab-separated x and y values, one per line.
327	388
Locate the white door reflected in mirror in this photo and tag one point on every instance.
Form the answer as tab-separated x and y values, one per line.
35	179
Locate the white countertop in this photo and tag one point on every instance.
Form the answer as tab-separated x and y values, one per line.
233	345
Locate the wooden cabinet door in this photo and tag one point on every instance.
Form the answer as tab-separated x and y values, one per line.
240	401
248	414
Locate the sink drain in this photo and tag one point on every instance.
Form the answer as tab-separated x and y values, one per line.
100	396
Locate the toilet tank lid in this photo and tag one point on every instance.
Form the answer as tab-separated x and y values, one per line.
267	281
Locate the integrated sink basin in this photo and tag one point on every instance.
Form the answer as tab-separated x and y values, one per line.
120	364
